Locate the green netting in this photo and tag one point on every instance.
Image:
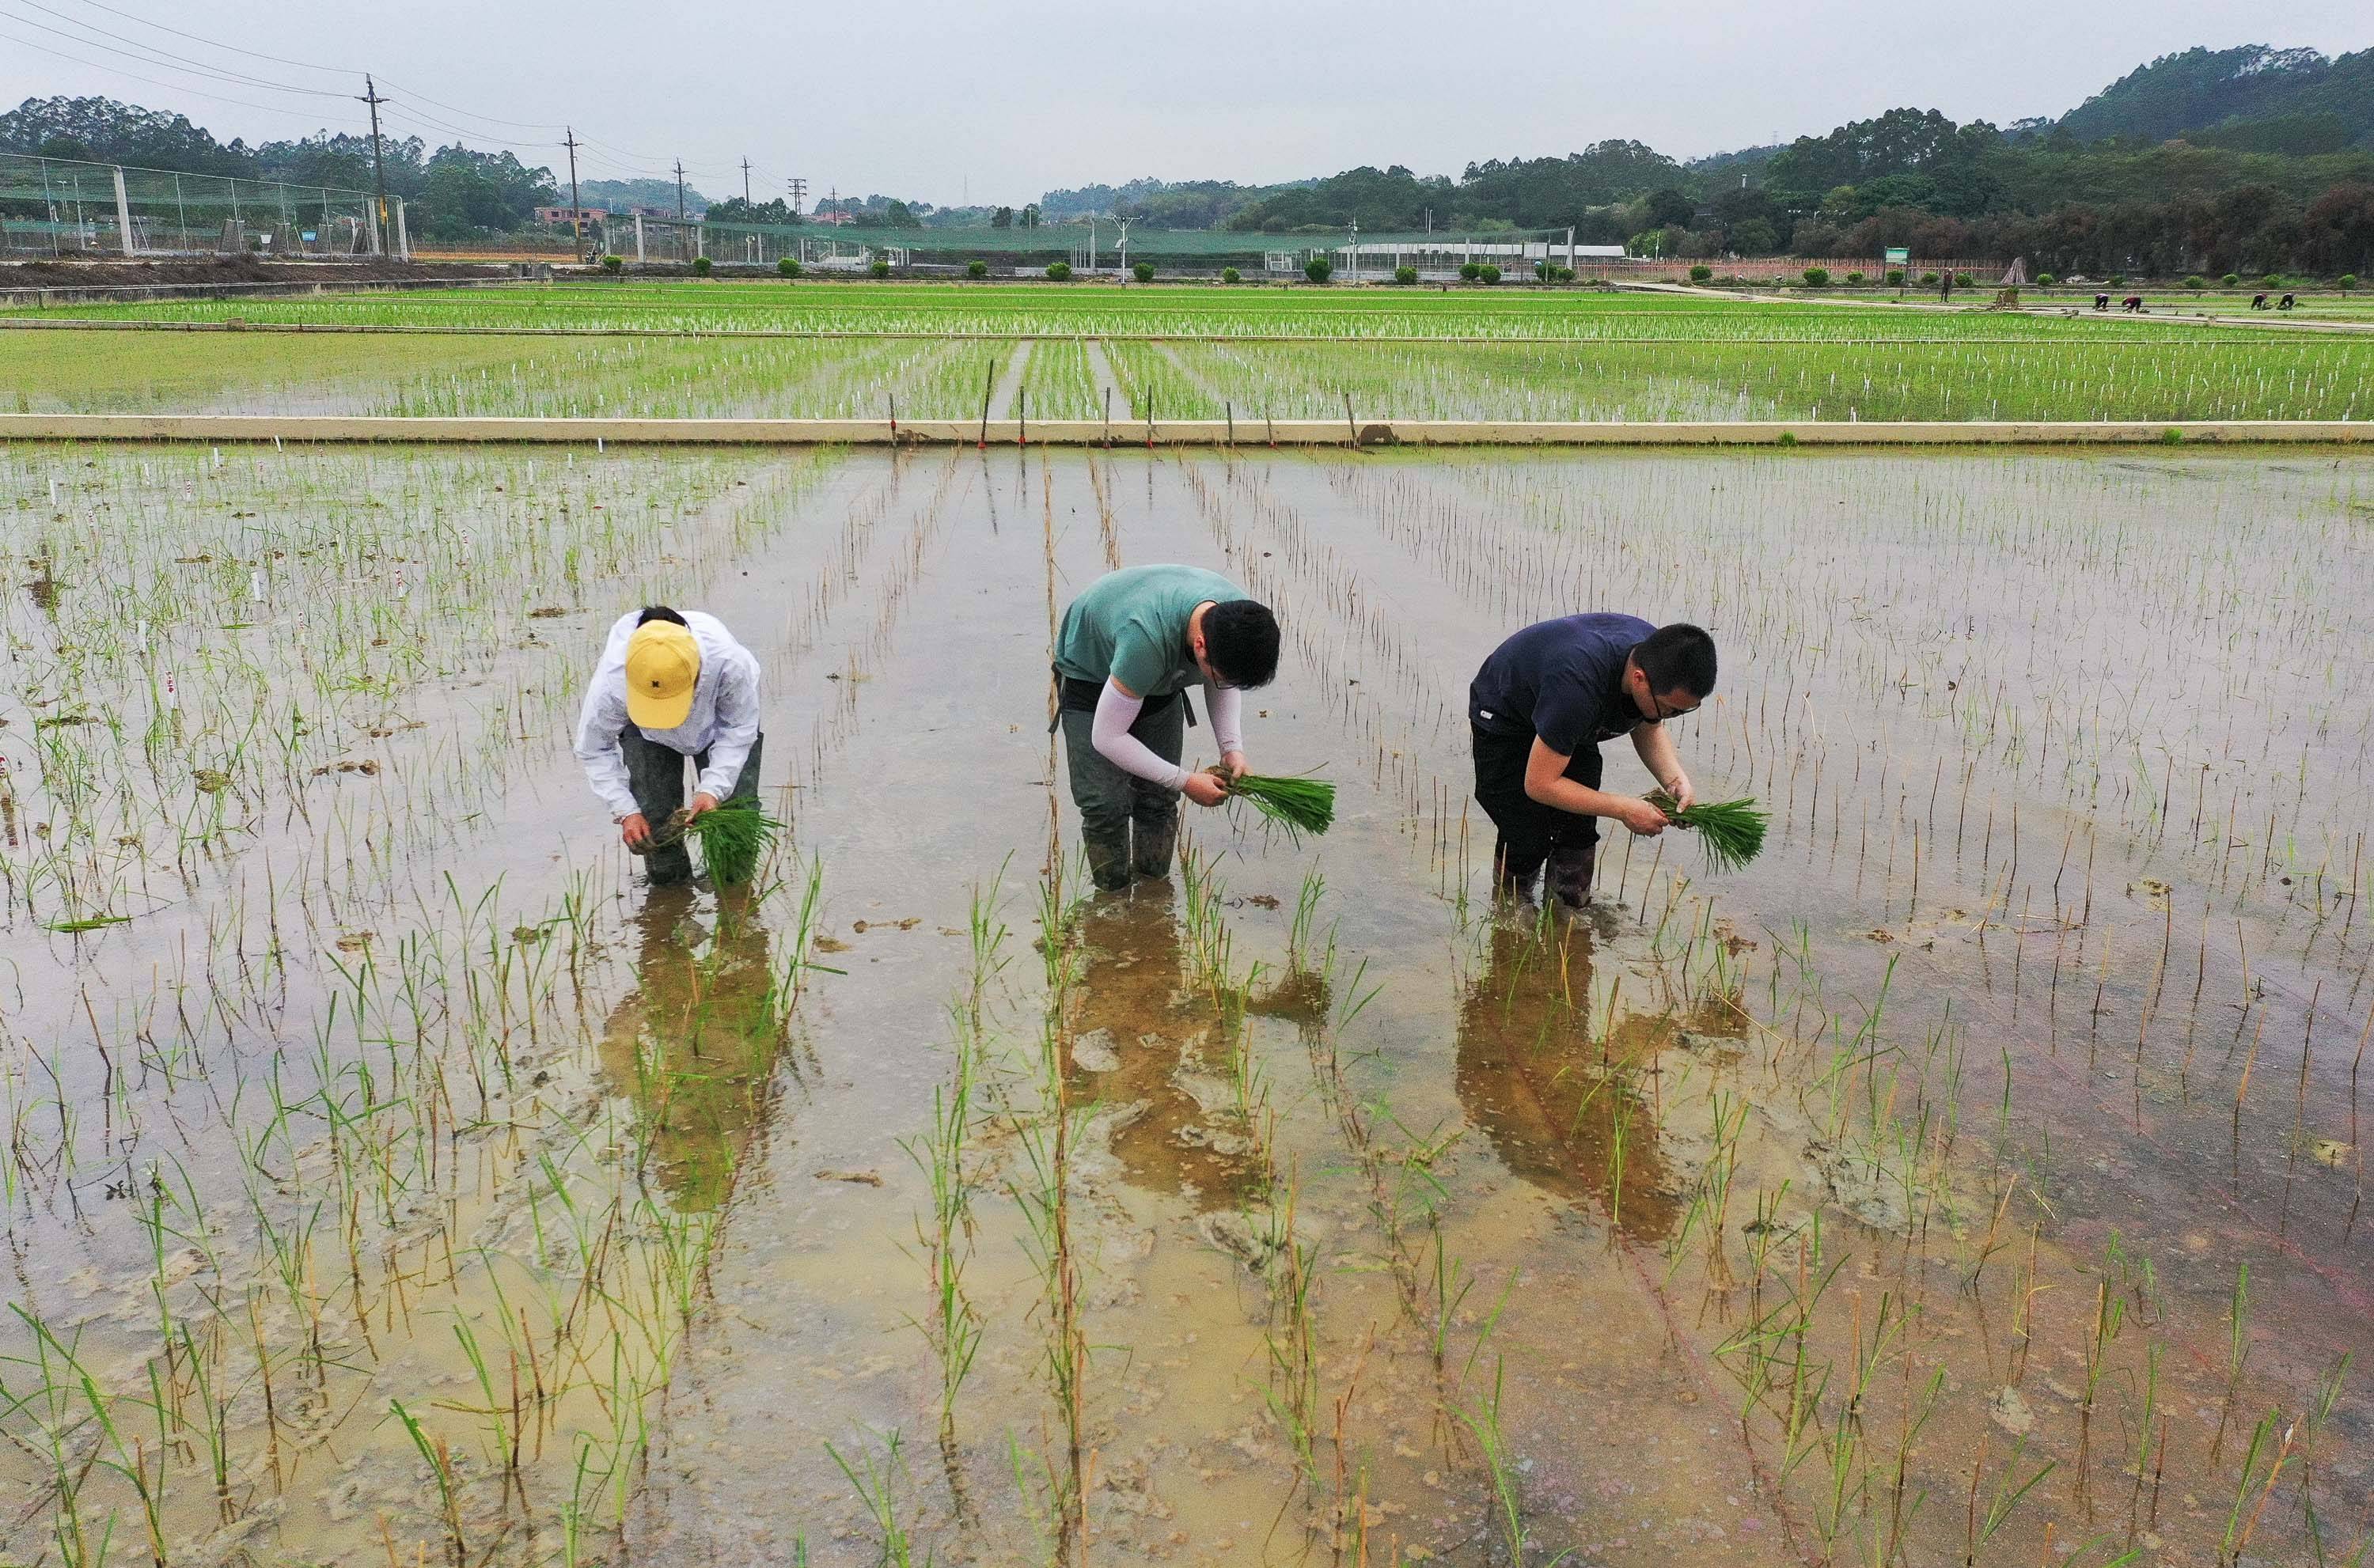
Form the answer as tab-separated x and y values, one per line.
765	243
65	206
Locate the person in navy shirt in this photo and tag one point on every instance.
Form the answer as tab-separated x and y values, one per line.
1539	711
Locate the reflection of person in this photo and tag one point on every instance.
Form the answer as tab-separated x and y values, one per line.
669	687
1540	708
1146	1041
1129	647
1545	1092
693	1045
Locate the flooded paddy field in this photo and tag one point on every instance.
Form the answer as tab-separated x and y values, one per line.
1974	1178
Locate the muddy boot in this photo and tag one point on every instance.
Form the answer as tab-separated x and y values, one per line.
1513	872
1568	874
1109	859
670	866
1157	838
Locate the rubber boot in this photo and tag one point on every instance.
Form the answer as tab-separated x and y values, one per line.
1157	838
1109	859
1569	873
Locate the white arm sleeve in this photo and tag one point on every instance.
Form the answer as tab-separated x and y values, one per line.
737	725
604	719
1115	714
1226	707
599	725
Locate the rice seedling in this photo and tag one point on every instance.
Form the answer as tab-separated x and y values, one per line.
1732	832
1297	804
732	838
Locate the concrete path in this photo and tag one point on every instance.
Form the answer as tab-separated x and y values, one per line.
1001	402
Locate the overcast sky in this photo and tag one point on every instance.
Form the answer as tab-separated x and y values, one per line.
947	101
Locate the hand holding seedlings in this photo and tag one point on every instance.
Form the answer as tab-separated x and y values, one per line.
635	830
1205	789
1643	818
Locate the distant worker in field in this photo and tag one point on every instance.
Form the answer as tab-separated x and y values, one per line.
2133	304
1539	711
1129	647
670	685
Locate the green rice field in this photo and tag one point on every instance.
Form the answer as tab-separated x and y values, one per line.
688	349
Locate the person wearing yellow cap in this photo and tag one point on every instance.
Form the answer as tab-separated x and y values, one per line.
669	687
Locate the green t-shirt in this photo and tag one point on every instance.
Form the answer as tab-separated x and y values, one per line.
1131	626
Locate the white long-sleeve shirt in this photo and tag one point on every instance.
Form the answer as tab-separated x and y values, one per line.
724	722
1116	711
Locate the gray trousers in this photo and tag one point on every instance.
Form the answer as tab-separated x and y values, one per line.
656	775
1115	805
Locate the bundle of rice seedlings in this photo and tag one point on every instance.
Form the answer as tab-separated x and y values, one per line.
732	838
1298	804
1731	831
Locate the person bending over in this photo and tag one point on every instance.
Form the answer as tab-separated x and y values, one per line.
1539	711
669	687
1129	647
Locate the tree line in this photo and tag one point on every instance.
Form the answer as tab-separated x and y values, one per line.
2237	196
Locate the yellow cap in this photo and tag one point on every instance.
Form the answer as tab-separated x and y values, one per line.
662	663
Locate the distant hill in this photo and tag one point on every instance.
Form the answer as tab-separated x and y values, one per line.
2207	90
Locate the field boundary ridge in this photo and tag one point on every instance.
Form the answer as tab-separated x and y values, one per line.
1251	432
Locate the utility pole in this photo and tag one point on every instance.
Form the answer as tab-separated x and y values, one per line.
745	182
799	195
679	190
576	207
379	172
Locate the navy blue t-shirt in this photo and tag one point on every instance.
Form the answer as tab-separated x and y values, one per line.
1562	679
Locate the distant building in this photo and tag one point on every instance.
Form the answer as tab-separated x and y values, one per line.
568	215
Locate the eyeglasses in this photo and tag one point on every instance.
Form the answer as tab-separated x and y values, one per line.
1663	713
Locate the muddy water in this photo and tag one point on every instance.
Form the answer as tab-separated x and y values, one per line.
1805	1212
1505	1169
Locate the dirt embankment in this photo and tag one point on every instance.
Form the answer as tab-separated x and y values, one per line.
217	272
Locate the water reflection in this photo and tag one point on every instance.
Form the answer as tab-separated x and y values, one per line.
1155	1052
694	1043
1567	1103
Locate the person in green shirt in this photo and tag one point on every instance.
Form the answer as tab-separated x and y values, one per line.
1129	648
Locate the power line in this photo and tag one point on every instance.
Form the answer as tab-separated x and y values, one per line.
490	119
212	43
162	59
152	81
